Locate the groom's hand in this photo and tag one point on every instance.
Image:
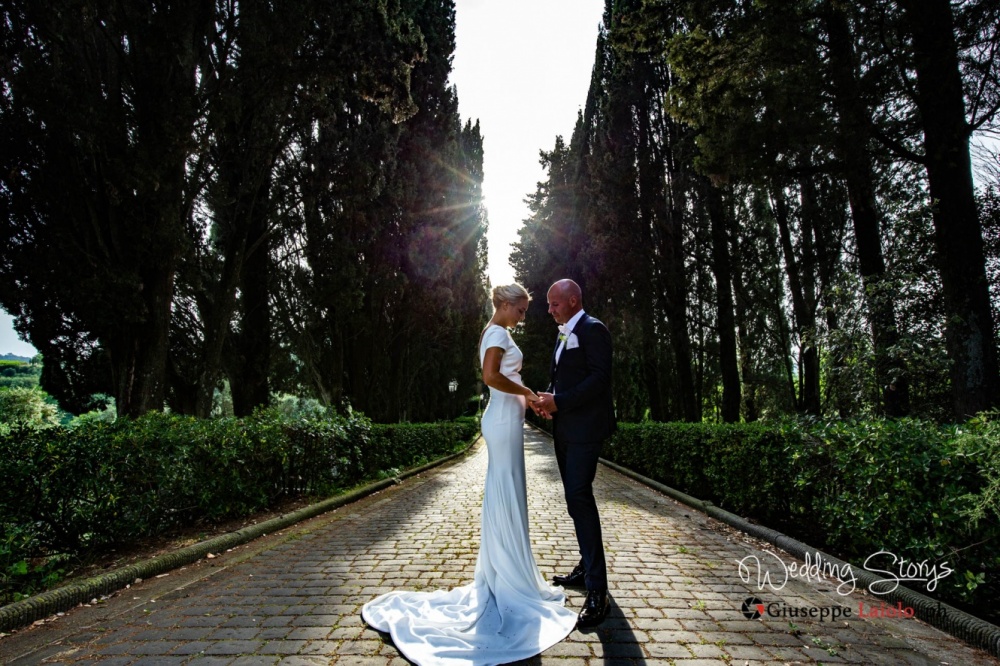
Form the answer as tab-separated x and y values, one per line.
540	412
533	404
546	403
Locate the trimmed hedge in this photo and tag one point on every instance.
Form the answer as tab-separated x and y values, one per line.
738	467
73	491
852	489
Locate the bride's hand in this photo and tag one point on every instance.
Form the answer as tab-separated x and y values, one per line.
531	397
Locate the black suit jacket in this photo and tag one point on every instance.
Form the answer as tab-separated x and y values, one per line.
581	383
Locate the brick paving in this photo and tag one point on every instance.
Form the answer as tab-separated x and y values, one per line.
295	598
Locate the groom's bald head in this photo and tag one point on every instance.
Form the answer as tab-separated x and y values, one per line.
568	288
565	299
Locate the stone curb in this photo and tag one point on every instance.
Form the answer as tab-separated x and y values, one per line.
42	605
972	630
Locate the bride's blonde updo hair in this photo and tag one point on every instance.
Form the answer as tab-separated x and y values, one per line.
509	293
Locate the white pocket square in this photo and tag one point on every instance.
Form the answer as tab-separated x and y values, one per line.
572	342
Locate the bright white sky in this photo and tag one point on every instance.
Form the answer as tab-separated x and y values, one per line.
9	342
522	68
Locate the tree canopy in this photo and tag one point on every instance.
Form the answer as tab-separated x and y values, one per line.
262	195
770	203
772	206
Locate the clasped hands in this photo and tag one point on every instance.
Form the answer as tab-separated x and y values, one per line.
543	404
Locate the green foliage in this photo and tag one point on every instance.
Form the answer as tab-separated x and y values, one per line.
902	485
26	408
980	439
72	491
853	488
728	464
20	577
13	368
103	411
390	219
767	149
409	444
275	213
18	381
17	374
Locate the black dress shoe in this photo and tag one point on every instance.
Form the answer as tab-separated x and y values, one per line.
595	609
577	578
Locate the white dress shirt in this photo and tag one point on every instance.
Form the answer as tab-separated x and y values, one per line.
569	326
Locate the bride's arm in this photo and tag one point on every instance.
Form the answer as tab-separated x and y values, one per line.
493	378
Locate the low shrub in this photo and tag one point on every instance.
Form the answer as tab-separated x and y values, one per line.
732	465
26	407
909	487
70	492
398	446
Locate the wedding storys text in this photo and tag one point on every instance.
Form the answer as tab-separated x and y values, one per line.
773	572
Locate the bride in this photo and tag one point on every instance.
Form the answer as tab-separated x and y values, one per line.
508	612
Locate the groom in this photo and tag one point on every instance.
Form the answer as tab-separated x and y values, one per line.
582	418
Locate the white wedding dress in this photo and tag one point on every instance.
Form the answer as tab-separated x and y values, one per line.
508	612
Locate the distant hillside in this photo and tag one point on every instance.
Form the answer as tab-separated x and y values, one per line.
14	357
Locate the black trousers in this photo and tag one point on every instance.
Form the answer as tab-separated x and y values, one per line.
578	467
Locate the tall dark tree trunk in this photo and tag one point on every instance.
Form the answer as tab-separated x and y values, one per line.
824	222
805	319
217	308
958	236
809	272
677	320
744	307
252	388
749	386
651	201
242	211
360	359
854	139
672	267
138	352
719	219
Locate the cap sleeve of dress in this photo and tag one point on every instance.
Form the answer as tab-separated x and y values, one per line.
494	336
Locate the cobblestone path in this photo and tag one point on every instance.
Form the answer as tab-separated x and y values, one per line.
294	598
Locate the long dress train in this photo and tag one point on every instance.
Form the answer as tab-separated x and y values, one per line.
508	612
